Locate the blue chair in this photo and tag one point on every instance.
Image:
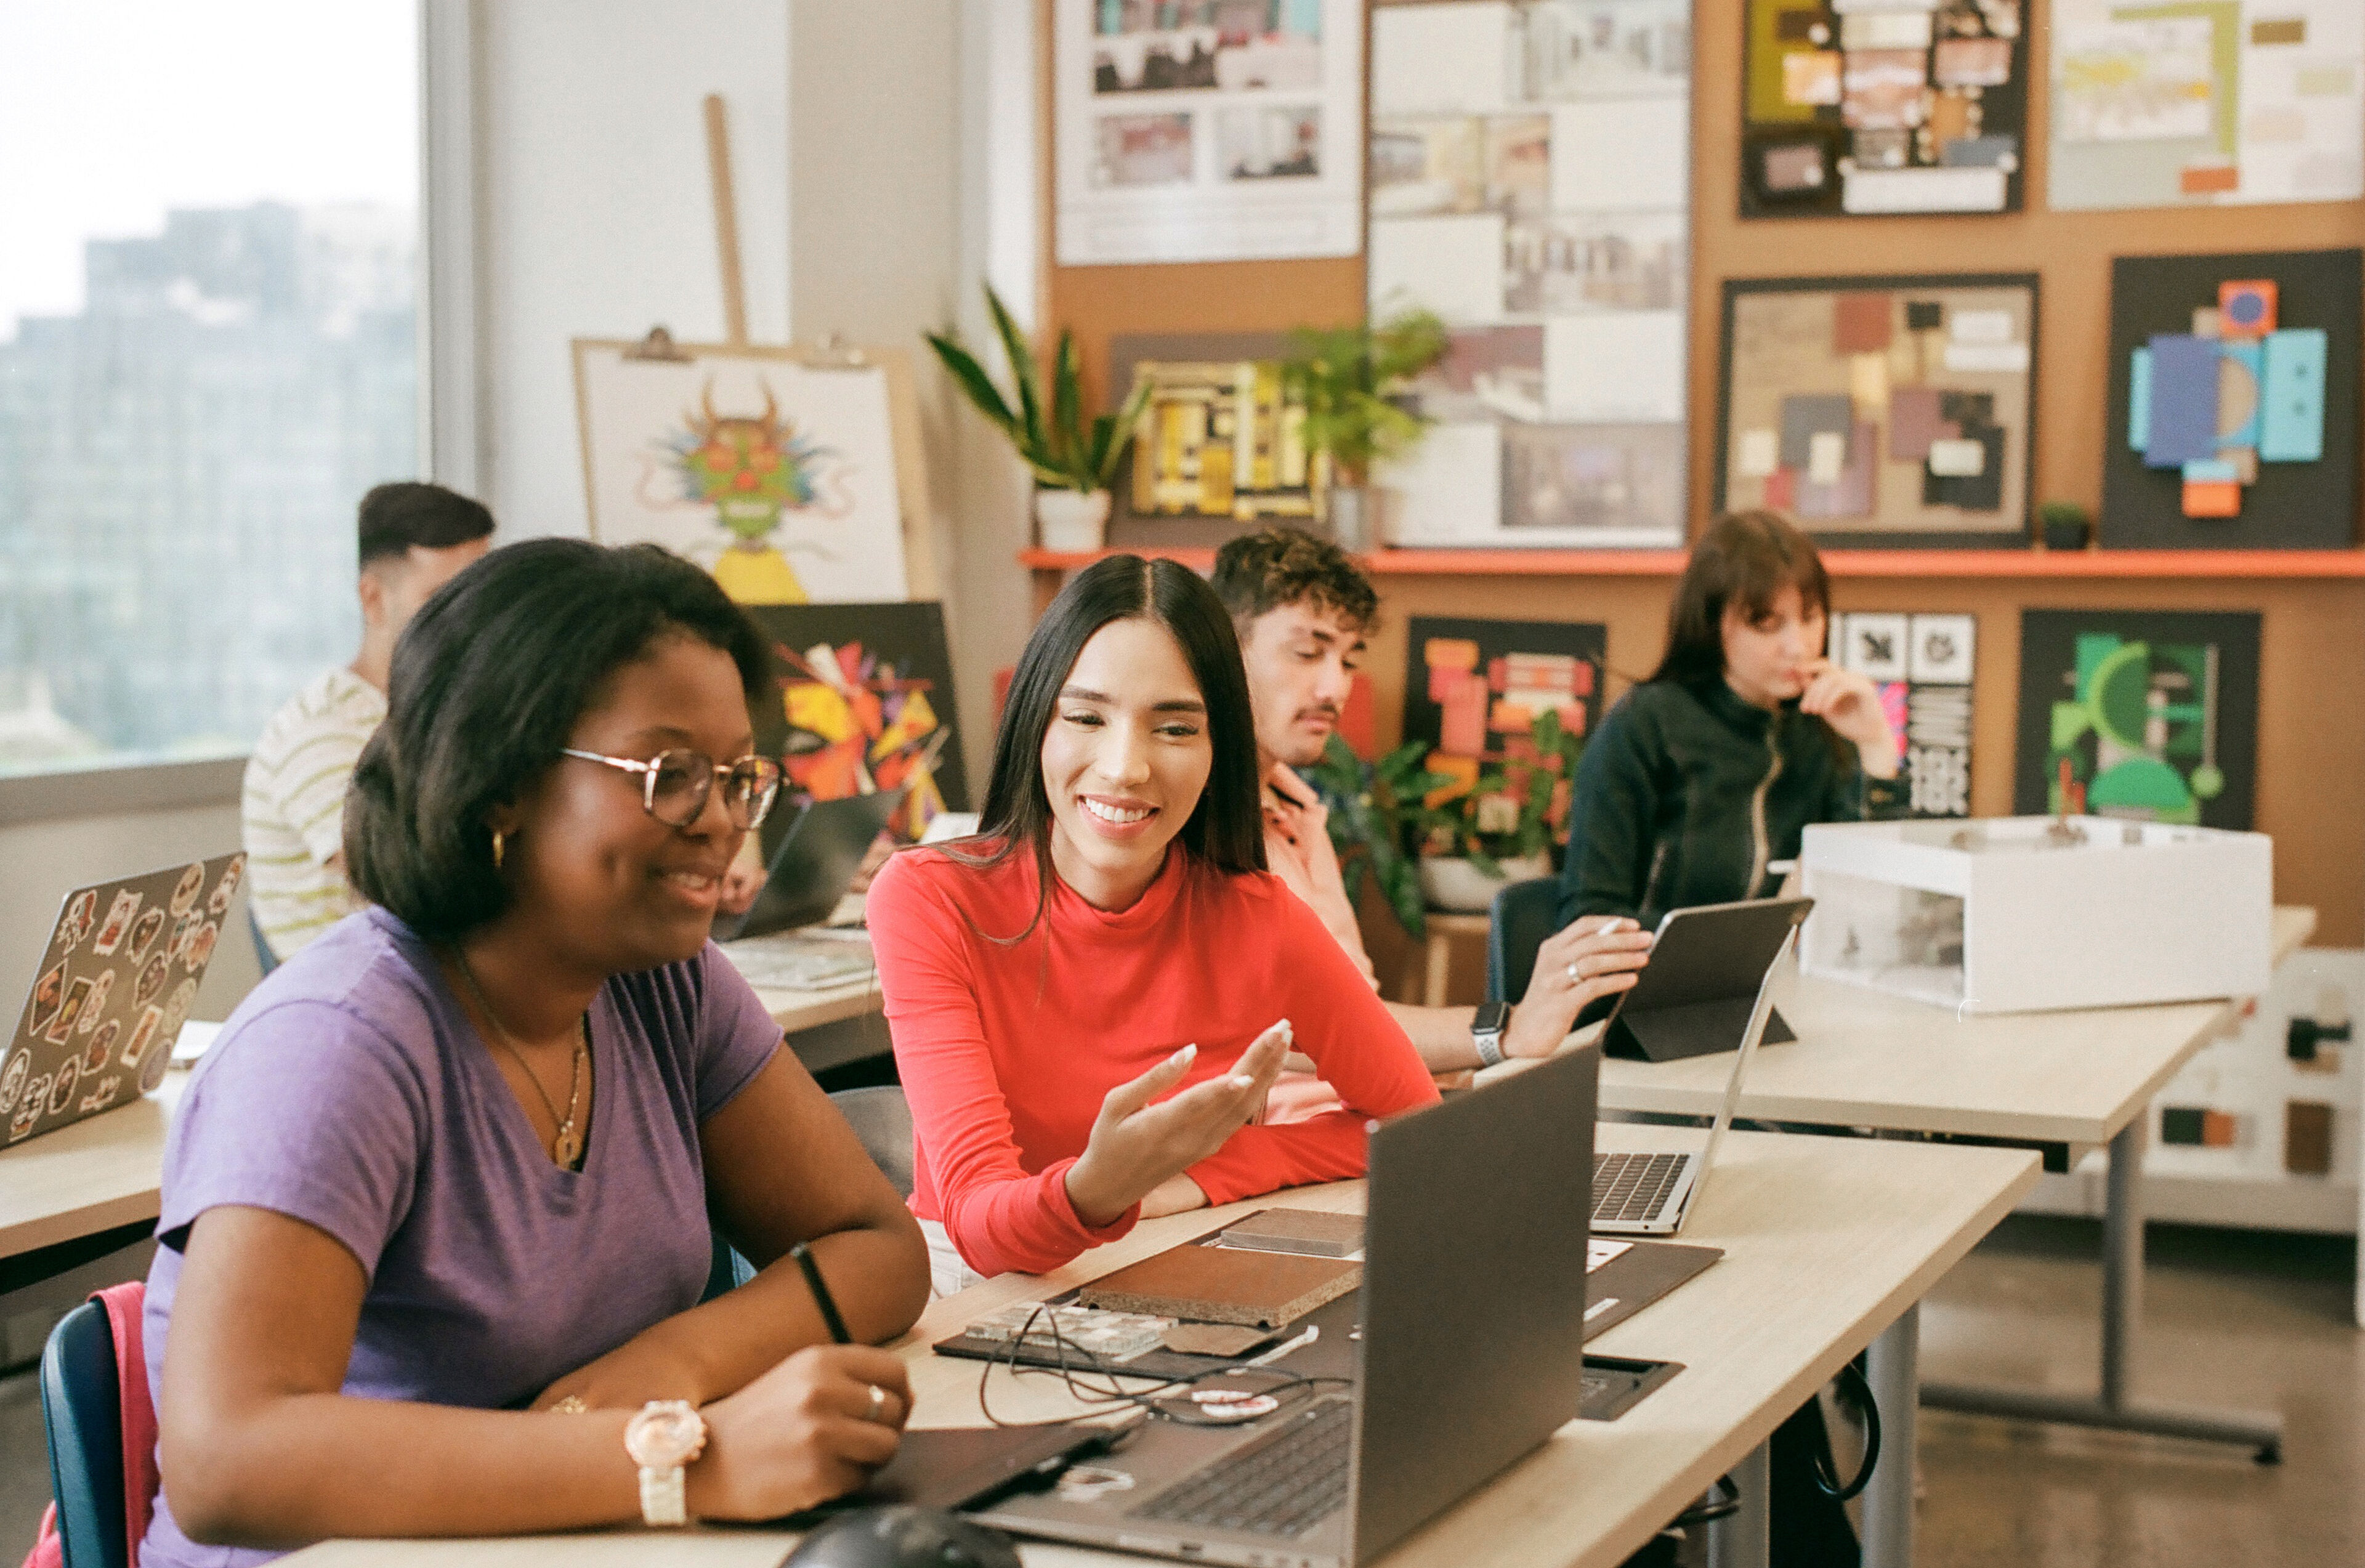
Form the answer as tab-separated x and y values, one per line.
82	1406
1524	915
881	1118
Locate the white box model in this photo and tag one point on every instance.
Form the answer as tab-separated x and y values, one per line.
2020	915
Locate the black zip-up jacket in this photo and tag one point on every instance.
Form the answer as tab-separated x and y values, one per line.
1687	791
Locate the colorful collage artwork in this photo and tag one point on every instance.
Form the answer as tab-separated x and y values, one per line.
1476	687
1922	665
2206	101
865	703
1881	411
2234	396
117	983
1220	444
1861	107
1530	168
2146	714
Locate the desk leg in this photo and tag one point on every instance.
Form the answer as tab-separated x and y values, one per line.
1889	1502
2123	1232
1746	1539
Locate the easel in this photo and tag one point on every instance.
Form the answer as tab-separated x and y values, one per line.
832	353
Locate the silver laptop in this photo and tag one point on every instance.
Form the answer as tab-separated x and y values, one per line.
1649	1195
115	984
1447	1385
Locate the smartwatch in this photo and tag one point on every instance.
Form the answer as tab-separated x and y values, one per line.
1487	1031
662	1439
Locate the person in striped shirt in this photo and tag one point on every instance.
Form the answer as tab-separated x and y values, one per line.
414	539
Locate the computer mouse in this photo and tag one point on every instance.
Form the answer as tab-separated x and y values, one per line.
902	1536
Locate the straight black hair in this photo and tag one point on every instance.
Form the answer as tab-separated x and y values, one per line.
488	681
1744	559
1226	829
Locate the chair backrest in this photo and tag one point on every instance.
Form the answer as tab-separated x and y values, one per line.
82	1406
881	1118
1524	913
264	957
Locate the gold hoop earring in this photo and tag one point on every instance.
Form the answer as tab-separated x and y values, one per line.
498	837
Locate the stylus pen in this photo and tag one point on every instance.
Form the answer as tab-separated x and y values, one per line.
822	1298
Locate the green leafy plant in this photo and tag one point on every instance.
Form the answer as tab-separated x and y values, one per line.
1518	808
1376	810
1350	380
1058	446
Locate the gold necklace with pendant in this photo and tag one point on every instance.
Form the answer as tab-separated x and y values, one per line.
568	1147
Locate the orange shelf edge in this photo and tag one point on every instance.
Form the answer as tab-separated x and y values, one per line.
2137	564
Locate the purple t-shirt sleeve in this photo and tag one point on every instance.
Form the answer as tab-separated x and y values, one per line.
343	1156
736	1037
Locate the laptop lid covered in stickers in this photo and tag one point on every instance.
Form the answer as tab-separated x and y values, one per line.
114	986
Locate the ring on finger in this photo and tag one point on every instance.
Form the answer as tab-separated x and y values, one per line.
1574	978
878	1403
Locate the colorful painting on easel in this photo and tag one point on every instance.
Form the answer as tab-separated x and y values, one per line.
2147	716
777	476
1475	689
865	703
2233	401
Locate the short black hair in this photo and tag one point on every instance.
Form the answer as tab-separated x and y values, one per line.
487	683
396	516
1275	566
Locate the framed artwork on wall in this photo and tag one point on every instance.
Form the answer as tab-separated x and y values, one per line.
2233	419
1922	665
1881	412
1530	183
2186	105
1220	448
2140	713
1851	109
1474	689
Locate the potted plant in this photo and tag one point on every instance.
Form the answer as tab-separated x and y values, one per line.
1504	828
1071	460
1351	382
1371	811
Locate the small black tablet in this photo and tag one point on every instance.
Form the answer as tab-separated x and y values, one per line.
1696	993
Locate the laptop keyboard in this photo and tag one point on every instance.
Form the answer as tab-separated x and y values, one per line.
1283	1483
1628	1188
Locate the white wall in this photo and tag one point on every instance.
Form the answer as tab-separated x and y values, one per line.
595	217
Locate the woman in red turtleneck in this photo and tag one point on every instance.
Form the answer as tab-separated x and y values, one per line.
1090	999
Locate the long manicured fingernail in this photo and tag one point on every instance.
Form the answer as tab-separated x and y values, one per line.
1242	1080
1186	1053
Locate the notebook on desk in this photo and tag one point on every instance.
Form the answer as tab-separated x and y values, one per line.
114	985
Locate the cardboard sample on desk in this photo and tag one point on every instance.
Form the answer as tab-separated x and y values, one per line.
793	474
1220	1285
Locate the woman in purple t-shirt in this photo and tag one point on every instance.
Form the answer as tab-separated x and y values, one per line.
436	1205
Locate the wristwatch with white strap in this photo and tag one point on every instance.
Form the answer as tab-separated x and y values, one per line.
1486	1032
663	1439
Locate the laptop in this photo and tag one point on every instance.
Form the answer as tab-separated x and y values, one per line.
1650	1194
1694	996
814	861
114	985
1449	1385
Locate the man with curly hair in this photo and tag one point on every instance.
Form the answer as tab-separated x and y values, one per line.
1303	609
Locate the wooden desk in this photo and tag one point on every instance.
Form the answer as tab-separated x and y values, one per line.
1866	1059
1828	1243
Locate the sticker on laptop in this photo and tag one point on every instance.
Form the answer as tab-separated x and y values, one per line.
80	915
102	1046
185	891
151	980
96	1003
144	930
160	1057
201	946
100	1098
1091	1482
12	1079
118	923
141	1033
28	1110
219	904
183	929
62	1024
48	993
176	1011
1232	1404
62	1091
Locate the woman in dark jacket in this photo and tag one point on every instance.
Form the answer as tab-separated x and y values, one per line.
1710	771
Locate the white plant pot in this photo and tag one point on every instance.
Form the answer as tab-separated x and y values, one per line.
1072	521
1453	883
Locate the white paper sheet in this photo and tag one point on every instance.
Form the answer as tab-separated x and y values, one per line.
1452	264
1441	59
1619	156
1622	366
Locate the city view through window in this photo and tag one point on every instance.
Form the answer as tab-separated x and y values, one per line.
208	351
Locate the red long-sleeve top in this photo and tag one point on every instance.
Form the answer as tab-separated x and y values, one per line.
1005	1049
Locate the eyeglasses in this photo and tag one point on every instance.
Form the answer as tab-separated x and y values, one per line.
675	784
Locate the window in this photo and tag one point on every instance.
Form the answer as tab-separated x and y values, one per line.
209	349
